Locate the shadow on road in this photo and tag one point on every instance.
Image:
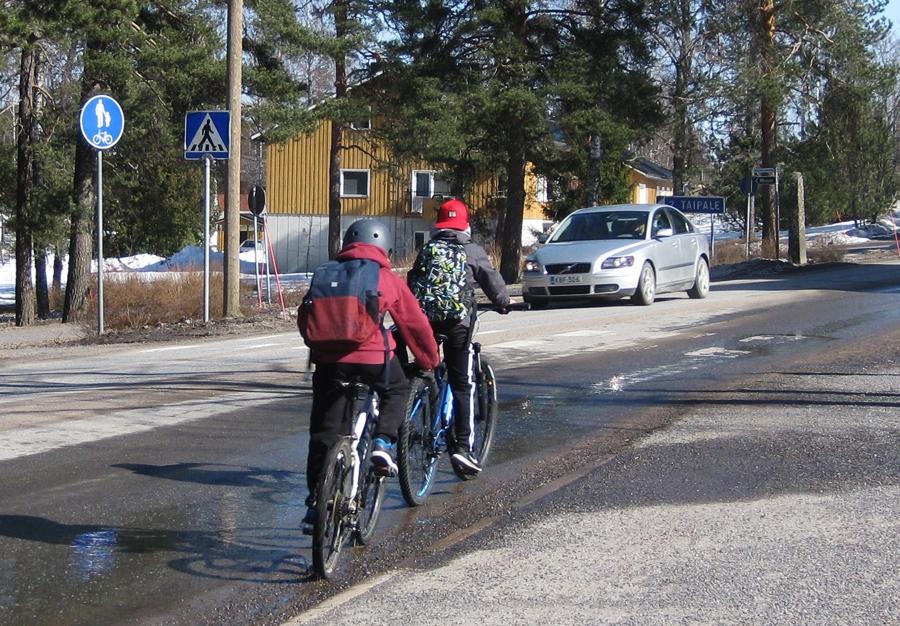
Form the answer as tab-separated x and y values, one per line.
248	554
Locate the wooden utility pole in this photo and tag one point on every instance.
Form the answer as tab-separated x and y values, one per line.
232	290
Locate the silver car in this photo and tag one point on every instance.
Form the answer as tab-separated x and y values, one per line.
625	250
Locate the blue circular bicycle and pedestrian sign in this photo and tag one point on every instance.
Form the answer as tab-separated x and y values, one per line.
102	122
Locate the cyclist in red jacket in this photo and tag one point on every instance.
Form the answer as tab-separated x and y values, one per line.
367	239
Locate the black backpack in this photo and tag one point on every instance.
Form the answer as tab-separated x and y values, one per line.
440	282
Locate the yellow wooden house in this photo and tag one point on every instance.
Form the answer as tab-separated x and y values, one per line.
648	180
405	196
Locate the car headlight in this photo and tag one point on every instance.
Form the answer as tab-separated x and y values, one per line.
615	262
532	266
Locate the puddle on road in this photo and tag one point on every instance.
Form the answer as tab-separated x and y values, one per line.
93	553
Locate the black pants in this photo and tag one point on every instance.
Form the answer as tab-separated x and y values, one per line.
329	420
459	359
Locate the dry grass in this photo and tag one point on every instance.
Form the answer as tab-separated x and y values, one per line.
728	252
825	254
134	301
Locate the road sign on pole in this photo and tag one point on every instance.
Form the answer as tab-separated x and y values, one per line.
256	200
695	204
102	122
765	175
206	133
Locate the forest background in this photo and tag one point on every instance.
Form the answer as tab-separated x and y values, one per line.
711	88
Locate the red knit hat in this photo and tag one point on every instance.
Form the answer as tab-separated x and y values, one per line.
453	214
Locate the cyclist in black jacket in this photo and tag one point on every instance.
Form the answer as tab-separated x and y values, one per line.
453	225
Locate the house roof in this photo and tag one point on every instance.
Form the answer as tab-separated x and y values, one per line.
648	168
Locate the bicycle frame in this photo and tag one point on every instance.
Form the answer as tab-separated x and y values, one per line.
363	423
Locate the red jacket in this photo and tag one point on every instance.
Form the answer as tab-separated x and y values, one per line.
398	300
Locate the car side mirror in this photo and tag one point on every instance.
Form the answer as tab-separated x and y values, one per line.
664	232
543	237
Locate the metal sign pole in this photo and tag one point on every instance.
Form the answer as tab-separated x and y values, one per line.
712	237
100	324
777	221
256	259
206	163
747	226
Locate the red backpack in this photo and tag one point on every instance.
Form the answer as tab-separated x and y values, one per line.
340	312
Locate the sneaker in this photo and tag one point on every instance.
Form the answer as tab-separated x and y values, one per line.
309	520
383	457
465	462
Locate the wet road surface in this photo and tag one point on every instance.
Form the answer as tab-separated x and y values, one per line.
165	486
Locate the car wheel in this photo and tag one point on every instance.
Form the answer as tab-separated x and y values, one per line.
535	304
701	281
646	288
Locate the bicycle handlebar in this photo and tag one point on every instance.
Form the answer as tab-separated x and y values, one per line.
512	306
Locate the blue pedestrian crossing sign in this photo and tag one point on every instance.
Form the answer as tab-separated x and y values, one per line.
102	122
206	133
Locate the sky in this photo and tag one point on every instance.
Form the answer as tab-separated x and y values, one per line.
892	12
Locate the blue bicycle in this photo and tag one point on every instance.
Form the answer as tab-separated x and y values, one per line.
427	431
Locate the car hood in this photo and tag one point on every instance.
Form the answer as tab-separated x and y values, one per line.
582	251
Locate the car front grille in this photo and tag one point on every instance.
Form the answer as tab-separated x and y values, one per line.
570	290
568	268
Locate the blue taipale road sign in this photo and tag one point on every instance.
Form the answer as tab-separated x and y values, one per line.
102	122
206	133
695	204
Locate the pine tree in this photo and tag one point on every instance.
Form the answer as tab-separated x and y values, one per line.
491	86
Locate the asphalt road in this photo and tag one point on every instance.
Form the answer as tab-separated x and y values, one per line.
693	460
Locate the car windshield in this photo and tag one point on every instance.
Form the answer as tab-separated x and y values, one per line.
602	225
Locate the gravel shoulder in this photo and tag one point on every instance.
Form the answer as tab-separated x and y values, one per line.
777	503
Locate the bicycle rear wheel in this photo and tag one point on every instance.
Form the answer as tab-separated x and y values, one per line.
330	531
416	457
371	495
485	411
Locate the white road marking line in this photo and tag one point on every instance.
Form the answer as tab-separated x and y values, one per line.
518	345
489	332
584	333
262	345
717	352
170	348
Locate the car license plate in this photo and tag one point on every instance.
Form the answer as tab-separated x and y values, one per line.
568	279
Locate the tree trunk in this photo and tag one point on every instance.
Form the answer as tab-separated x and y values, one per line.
57	269
681	135
337	132
40	283
511	243
768	103
25	166
84	200
595	157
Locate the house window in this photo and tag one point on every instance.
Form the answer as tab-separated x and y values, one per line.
354	183
426	184
365	124
419	238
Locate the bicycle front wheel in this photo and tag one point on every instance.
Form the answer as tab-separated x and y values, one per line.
485	411
371	495
330	530
416	457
